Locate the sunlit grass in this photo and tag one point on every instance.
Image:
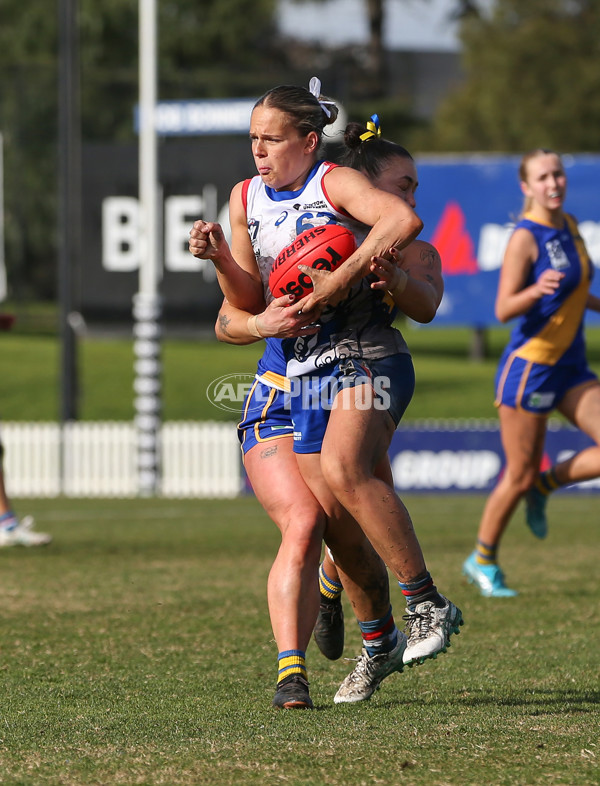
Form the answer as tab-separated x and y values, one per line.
136	649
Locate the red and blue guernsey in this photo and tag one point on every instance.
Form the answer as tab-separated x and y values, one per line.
359	327
551	332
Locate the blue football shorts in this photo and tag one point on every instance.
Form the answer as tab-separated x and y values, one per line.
536	387
265	416
392	379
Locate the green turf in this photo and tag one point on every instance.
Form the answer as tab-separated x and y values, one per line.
449	384
136	649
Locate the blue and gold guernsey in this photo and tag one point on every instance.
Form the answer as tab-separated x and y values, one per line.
545	356
266	410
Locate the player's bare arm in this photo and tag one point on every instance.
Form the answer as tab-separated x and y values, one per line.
237	273
393	224
278	320
593	303
514	298
413	277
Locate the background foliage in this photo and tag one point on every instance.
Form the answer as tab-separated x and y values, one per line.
530	78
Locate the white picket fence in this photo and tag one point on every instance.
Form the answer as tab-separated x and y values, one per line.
98	459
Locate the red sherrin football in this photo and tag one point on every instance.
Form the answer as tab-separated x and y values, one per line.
323	247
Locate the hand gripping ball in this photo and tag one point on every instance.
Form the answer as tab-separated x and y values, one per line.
323	247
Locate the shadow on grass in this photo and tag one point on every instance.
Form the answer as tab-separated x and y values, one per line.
540	702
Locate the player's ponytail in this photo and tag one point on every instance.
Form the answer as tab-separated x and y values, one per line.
367	150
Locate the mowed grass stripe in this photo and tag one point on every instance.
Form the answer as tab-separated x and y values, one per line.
137	649
449	385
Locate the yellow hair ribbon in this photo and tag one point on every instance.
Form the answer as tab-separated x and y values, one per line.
373	129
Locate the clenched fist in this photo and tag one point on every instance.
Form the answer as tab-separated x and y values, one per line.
206	239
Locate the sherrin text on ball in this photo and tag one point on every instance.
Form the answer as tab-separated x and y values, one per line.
323	247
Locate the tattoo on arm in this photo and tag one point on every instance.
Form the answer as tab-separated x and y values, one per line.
429	256
224	324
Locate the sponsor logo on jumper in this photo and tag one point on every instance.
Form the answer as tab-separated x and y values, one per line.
318	205
541	400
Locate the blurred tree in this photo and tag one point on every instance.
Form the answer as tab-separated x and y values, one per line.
206	49
532	79
366	68
28	124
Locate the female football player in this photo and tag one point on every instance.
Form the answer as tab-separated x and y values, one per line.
355	342
544	282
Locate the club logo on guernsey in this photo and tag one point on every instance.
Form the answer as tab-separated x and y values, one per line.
556	254
253	227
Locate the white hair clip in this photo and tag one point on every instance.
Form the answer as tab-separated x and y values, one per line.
314	87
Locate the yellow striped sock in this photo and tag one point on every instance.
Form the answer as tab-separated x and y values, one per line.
329	589
547	482
485	554
291	662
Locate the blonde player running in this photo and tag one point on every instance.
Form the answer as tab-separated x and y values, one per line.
544	282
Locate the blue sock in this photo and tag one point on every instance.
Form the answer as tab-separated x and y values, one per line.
379	635
8	520
420	590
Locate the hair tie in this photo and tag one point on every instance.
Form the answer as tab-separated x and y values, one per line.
314	88
373	129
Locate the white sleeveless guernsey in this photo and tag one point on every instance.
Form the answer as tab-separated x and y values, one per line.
361	325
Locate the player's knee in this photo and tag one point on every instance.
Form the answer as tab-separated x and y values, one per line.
303	522
344	477
524	480
334	471
302	544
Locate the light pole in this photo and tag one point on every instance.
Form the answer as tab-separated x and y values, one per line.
147	306
2	266
69	219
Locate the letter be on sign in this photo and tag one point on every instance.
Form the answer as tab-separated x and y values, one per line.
120	232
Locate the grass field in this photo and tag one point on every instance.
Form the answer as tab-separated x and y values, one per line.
449	384
136	649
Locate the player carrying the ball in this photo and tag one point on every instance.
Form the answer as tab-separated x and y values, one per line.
339	442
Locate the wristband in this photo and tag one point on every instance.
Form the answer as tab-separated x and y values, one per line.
401	285
253	327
